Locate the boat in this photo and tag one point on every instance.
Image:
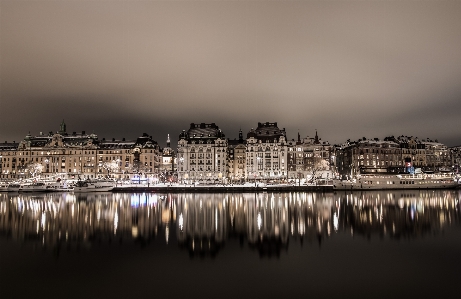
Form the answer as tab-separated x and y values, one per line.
94	186
59	186
14	187
399	181
3	187
34	187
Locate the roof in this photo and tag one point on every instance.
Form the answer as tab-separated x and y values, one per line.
267	132
202	131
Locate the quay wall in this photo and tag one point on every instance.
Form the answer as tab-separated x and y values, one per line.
224	189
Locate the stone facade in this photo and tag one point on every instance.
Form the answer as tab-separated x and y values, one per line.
202	154
266	153
81	155
310	159
392	155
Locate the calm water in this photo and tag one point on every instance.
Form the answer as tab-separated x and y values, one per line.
267	245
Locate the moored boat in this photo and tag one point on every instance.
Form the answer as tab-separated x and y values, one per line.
14	187
400	181
94	186
34	187
3	187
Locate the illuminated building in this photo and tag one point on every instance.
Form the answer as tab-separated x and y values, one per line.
310	158
266	153
67	155
202	154
392	155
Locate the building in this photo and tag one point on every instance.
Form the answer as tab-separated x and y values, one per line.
266	153
138	158
8	158
76	155
392	155
236	160
167	171
455	153
310	159
202	154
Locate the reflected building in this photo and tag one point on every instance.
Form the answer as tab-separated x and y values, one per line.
203	223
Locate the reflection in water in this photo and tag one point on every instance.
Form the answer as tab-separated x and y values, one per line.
201	223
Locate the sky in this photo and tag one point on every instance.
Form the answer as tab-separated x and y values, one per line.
349	69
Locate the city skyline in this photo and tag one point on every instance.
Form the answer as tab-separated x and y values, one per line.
166	142
119	69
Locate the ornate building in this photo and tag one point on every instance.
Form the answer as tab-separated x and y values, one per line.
392	155
125	159
202	154
67	155
266	153
310	159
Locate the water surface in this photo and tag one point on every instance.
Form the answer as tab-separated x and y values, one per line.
266	245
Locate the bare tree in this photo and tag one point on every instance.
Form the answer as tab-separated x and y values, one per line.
111	167
316	164
138	167
34	169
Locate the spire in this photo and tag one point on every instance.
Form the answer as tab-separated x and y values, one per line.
299	137
168	141
240	136
316	140
62	127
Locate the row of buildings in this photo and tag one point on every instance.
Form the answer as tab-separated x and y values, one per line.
205	155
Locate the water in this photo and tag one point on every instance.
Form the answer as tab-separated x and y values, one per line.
266	245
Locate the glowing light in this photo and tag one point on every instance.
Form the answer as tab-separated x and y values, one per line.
216	220
115	222
335	222
43	219
181	222
134	231
259	221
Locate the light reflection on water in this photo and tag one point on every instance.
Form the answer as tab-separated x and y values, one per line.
202	223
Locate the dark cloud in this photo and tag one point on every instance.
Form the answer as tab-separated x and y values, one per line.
348	69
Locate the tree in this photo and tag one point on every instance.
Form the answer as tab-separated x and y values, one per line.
138	167
34	169
112	166
316	164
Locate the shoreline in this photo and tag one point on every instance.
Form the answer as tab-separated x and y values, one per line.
224	189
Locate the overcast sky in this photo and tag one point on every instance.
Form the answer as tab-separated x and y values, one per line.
349	69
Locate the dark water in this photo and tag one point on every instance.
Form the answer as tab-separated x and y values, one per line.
403	244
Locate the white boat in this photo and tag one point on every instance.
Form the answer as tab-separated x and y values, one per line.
59	186
94	186
3	187
400	181
34	187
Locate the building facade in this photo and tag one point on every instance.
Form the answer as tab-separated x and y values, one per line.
202	154
236	163
74	155
392	155
310	159
266	153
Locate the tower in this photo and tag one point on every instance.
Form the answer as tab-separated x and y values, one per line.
316	140
62	128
